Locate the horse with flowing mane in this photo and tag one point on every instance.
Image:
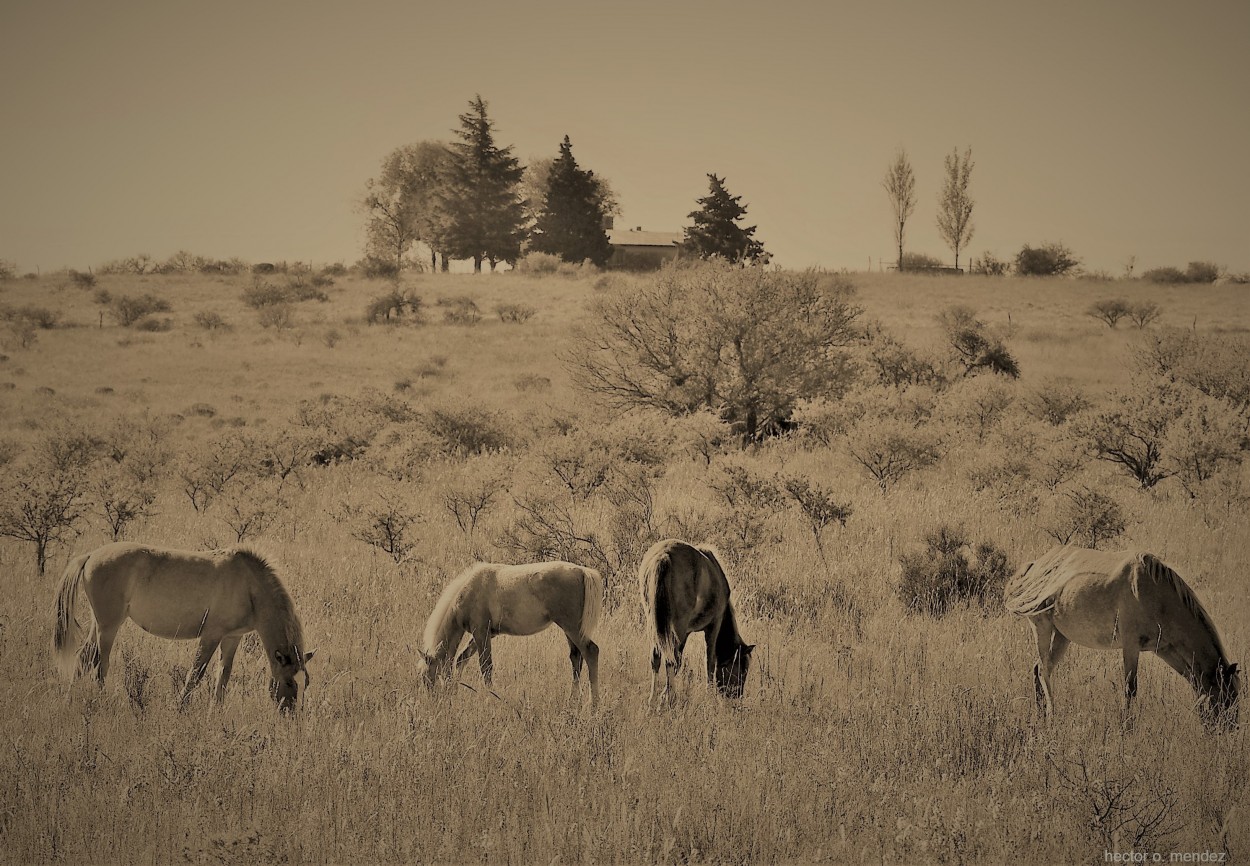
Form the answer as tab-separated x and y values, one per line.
215	597
1127	601
684	590
488	599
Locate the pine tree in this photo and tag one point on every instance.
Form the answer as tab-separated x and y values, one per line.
483	216
716	231
570	222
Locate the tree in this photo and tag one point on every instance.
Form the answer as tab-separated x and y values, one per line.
746	343
716	230
538	176
402	205
483	216
900	186
570	221
954	219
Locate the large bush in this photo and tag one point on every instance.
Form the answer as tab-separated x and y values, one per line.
747	342
1048	260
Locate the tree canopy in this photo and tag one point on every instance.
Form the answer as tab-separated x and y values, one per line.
483	216
570	222
717	231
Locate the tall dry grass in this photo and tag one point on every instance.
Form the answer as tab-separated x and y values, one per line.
867	733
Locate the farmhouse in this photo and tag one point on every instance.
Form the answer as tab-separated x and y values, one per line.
635	249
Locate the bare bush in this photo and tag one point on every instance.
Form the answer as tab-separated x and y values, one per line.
479	485
746	342
465	430
384	524
1143	313
748	502
1055	401
973	345
1087	517
129	309
1130	432
1109	311
42	496
461	310
516	313
889	449
1207	434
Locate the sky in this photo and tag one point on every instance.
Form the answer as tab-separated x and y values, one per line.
1117	127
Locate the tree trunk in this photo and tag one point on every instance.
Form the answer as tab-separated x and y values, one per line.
433	260
446	264
477	264
492	264
899	263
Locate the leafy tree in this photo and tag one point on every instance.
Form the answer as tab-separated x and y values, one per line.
1109	310
402	204
716	230
744	342
1048	260
570	222
954	219
483	216
900	186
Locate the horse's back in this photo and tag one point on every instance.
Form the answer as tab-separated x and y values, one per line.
690	579
526	598
1066	570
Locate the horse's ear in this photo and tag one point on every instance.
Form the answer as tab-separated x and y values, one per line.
308	655
279	657
746	649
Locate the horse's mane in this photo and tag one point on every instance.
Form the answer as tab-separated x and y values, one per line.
1158	569
288	625
442	609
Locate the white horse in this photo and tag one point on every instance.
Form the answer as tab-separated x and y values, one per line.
214	597
487	600
1125	601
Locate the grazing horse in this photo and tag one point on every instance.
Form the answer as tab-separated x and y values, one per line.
487	599
1125	601
214	597
684	590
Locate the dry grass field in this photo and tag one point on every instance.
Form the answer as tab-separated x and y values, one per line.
869	733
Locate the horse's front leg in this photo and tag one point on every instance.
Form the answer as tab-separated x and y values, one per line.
711	634
468	653
1131	656
484	658
228	648
207	647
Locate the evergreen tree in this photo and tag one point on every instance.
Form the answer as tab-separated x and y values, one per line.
716	231
570	222
483	216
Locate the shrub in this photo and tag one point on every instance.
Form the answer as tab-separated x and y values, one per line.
708	337
392	306
538	264
920	262
1055	401
335	269
378	268
263	293
210	321
277	316
38	317
890	448
81	279
950	571
978	404
1142	313
1207	434
894	363
461	310
1109	310
384	524
465	430
1202	272
1164	275
154	324
518	313
1048	260
130	309
1087	517
989	266
973	345
8	270
1130	432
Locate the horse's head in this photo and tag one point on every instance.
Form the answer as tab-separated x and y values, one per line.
1220	691
425	669
731	676
284	667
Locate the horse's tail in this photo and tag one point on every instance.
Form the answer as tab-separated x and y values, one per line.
656	587
64	629
592	601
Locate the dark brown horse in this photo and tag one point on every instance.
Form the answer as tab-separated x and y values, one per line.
684	590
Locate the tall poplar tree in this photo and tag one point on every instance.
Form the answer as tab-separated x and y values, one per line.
716	230
570	220
900	186
954	219
483	216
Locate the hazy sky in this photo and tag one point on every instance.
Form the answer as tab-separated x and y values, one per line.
1119	127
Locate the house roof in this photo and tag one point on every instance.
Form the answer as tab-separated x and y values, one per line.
639	238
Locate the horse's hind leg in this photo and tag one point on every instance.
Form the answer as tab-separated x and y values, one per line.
105	635
203	655
587	652
228	648
1050	649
